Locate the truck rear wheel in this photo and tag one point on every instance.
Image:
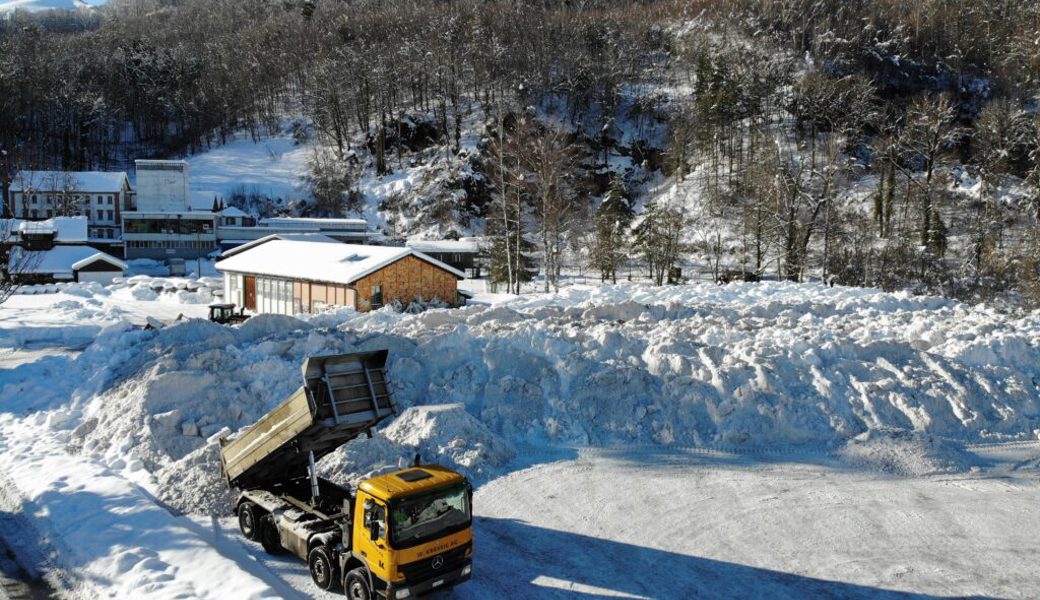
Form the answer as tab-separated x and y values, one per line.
268	535
356	585
324	570
247	520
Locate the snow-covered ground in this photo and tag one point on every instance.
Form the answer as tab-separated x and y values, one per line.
763	440
7	6
74	318
274	167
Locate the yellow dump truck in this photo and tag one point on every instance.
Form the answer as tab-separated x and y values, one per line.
399	535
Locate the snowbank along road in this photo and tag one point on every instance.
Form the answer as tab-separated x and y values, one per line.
872	445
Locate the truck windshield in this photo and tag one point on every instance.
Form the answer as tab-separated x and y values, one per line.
420	519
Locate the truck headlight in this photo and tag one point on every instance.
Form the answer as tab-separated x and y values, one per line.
467	570
405	593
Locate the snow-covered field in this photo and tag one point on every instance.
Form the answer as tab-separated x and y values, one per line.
766	440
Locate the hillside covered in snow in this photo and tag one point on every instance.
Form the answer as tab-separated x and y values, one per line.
865	145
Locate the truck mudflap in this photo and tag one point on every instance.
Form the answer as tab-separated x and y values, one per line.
441	581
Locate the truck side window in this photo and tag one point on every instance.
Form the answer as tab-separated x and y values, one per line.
375	512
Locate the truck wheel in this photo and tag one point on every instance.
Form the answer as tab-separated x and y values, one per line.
268	535
247	520
324	570
356	585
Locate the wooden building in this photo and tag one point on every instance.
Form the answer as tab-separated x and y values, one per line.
289	276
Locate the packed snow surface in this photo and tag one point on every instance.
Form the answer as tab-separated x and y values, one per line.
720	525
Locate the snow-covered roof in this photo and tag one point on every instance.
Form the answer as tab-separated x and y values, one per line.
464	245
332	263
313	224
80	181
61	261
68	229
231	211
293	237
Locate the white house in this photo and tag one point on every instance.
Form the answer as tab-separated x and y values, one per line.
101	197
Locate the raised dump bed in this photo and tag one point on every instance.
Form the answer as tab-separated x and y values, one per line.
343	396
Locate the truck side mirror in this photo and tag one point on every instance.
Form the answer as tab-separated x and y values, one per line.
373	530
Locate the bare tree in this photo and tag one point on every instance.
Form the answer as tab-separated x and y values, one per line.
931	131
548	156
15	261
6	179
330	182
63	189
1001	137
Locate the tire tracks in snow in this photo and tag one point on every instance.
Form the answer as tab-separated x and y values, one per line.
34	554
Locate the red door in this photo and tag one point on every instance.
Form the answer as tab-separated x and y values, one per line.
250	295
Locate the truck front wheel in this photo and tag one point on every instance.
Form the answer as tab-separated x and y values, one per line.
247	520
356	585
324	570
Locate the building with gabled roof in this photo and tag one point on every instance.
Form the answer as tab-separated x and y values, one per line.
65	263
99	196
289	276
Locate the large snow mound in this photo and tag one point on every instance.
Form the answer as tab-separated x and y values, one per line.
444	434
743	364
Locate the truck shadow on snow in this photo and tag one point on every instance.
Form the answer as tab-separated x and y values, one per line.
515	559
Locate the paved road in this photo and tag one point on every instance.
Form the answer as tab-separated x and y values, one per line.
15	583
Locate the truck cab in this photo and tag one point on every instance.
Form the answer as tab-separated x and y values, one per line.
412	532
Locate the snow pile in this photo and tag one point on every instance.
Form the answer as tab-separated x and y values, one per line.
70	321
905	453
195	484
745	364
447	433
443	434
84	289
170	289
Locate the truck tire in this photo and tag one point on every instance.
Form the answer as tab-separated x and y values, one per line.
268	535
356	585
324	570
247	520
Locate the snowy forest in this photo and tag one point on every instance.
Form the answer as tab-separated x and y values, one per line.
861	143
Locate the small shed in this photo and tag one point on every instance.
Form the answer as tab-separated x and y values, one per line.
65	263
289	276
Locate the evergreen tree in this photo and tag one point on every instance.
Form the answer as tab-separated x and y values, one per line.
658	238
612	222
